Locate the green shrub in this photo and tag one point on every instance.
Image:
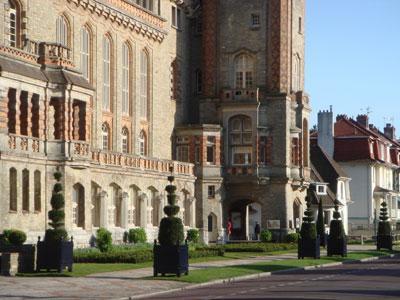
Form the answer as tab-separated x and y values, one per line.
103	240
384	225
125	238
13	237
265	236
292	237
193	235
56	214
137	235
171	227
258	247
132	254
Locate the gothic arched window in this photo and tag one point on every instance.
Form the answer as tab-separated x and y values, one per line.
244	72
106	73
62	34
126	55
85	53
105	133
240	140
142	143
125	140
144	83
13	24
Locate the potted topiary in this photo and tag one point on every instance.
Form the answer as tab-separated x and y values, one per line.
309	242
56	252
321	224
13	241
384	237
337	241
171	256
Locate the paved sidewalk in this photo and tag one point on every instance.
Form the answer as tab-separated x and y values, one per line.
113	285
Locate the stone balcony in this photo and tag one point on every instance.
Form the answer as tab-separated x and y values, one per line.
241	95
81	154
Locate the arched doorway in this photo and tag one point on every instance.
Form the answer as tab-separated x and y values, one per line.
212	227
244	214
296	214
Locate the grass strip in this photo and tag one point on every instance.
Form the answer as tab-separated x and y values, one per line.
214	273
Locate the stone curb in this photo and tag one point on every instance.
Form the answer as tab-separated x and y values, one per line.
254	276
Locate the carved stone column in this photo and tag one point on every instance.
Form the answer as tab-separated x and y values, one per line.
103	209
124	210
29	114
18	112
192	212
143	210
3	110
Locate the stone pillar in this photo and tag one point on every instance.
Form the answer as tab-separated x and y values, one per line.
143	210
247	222
103	209
42	118
3	110
18	112
29	114
192	212
88	121
124	210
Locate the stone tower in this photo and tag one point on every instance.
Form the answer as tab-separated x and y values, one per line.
252	64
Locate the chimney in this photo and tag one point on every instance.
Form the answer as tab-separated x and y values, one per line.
363	120
390	131
325	131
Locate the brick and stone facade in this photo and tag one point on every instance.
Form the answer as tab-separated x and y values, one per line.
118	93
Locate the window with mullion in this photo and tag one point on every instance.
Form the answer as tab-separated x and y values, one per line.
106	73
144	90
125	78
85	53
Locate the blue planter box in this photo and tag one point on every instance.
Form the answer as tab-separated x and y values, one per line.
171	260
54	256
27	252
308	248
384	242
337	247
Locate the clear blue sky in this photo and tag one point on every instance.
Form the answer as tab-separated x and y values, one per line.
353	58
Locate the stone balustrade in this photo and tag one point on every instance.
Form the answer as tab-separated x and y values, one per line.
27	54
25	144
55	54
142	163
250	94
241	170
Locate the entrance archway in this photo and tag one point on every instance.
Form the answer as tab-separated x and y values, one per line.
245	214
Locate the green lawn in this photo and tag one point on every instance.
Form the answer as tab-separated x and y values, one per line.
209	274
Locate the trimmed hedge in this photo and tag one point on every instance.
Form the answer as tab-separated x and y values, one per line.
292	237
266	236
258	247
137	235
12	237
103	240
193	235
125	255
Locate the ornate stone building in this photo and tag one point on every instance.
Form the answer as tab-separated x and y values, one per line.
118	93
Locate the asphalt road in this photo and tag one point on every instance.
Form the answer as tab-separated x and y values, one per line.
379	279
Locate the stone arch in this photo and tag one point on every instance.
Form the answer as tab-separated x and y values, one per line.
244	214
78	205
297	213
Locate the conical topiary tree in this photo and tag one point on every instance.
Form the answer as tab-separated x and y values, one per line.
308	229
171	227
384	225
57	214
320	223
336	229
